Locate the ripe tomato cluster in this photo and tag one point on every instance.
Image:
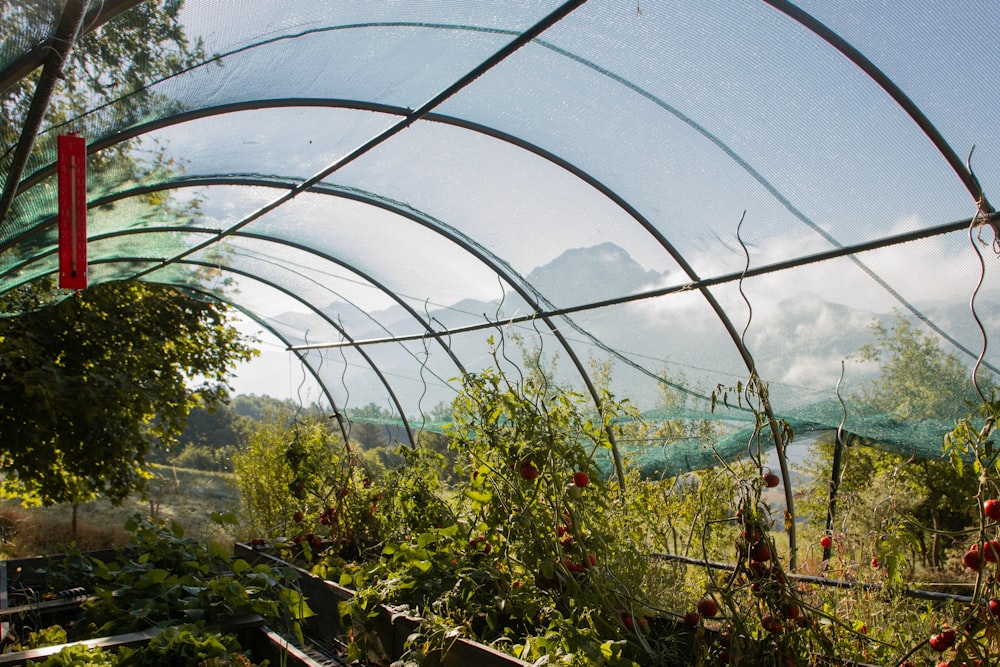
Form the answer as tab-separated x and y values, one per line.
479	543
761	574
943	641
976	559
987	551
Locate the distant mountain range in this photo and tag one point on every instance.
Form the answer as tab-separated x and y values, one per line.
799	352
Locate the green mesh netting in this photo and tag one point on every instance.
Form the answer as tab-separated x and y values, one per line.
666	192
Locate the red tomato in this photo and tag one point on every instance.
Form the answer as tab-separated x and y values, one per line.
707	607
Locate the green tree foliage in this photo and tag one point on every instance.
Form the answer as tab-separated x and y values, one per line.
898	501
291	463
918	380
87	385
212	435
259	407
147	44
214	426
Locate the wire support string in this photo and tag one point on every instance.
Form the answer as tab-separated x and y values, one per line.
824	581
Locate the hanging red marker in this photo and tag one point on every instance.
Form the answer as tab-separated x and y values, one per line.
72	176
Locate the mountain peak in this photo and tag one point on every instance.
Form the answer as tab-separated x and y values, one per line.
602	271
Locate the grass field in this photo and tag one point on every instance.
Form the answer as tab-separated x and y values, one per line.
184	495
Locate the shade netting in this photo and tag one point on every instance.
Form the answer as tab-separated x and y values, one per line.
678	192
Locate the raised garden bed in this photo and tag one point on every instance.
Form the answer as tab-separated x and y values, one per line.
392	628
25	583
327	636
243	627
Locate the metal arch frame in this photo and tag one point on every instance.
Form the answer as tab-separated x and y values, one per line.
274	332
507	138
481	254
861	61
287	292
532	148
782	5
399	111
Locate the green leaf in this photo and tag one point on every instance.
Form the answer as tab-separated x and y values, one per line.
218	551
479	496
157	576
225	519
239	566
296	604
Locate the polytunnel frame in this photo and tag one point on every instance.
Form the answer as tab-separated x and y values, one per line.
481	254
222	297
785	7
332	103
215	265
274	332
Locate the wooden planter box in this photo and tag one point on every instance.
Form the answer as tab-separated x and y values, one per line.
242	627
392	627
253	635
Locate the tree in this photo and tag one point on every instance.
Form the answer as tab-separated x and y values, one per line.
213	433
89	384
918	380
926	497
120	59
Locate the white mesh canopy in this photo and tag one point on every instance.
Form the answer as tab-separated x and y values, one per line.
672	188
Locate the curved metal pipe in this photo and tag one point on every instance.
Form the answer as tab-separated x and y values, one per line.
287	292
274	332
968	179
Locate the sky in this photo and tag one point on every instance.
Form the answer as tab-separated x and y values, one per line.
716	125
